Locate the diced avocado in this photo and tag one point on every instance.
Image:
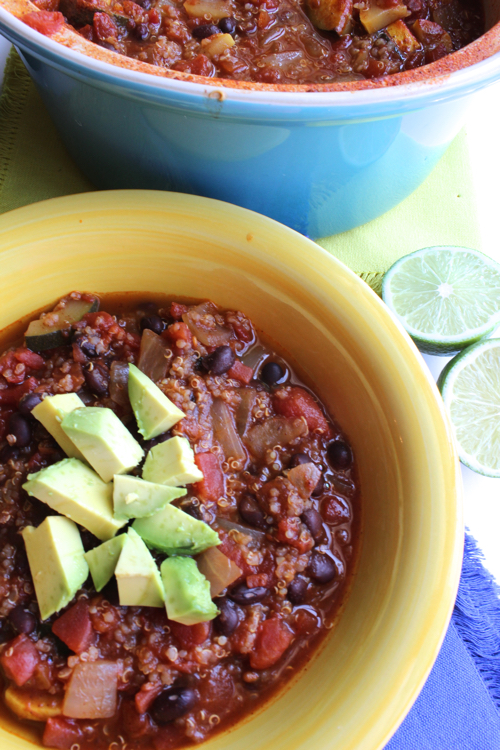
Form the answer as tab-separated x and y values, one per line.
175	532
40	335
187	592
51	412
139	581
103	439
136	498
102	560
57	563
172	463
154	412
73	489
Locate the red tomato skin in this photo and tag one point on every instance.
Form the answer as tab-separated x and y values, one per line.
272	641
44	21
190	635
74	627
20	659
61	733
300	403
240	372
212	486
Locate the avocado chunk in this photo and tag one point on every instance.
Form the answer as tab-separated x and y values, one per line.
57	563
139	582
176	533
51	412
187	592
172	463
136	498
103	439
102	560
74	490
154	412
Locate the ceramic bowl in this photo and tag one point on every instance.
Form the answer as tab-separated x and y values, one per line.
320	159
346	345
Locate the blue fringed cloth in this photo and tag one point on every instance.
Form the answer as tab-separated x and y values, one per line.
459	706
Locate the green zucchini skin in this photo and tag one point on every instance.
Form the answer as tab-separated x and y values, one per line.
38	337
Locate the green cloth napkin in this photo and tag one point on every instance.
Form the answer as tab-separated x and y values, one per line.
34	165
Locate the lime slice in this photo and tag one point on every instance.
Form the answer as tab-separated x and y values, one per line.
446	298
470	386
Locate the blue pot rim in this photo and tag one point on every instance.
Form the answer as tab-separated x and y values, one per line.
323	107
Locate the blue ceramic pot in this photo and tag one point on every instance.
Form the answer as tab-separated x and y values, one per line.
321	162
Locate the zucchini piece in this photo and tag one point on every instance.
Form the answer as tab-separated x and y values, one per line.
40	336
33	705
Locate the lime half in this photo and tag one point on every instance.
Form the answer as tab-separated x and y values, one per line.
470	386
446	298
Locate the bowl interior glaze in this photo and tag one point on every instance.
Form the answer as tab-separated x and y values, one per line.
357	358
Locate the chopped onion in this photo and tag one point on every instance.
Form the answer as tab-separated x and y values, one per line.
304	478
218	569
244	410
202	324
257	536
118	383
153	358
92	691
274	431
225	431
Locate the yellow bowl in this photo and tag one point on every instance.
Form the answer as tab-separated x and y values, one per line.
371	378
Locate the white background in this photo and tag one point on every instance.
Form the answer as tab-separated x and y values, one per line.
481	495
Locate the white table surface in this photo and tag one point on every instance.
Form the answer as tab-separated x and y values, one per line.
481	494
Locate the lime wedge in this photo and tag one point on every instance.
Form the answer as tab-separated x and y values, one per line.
446	298
470	386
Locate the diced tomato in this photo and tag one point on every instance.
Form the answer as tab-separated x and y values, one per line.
74	627
190	635
292	531
87	32
177	310
212	486
61	733
100	321
146	695
179	335
105	28
336	510
14	395
296	402
306	623
29	358
241	372
273	639
44	21
20	659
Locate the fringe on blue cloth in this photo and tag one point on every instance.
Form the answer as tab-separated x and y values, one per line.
479	624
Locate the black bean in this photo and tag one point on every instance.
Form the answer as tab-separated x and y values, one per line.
205	30
297	590
173	703
96	377
146	4
312	519
141	32
22	620
339	455
271	373
86	397
299	458
251	513
320	487
228	619
28	403
192	508
153	323
321	568
8	452
220	360
227	25
20	427
86	346
243	595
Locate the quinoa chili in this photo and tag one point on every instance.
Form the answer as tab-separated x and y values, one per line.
279	487
272	41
